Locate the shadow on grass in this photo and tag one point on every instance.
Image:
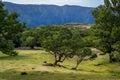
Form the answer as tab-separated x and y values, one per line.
93	71
45	75
115	74
19	57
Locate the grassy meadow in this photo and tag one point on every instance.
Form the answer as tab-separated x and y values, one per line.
30	61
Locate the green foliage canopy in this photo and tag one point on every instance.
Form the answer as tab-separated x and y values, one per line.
10	30
107	27
57	42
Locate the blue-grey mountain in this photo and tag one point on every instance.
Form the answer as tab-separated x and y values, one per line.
36	15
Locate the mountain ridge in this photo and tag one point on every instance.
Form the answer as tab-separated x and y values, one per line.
46	4
37	15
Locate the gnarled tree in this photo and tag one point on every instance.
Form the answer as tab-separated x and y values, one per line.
57	43
80	47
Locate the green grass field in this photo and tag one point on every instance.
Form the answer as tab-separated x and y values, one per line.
30	61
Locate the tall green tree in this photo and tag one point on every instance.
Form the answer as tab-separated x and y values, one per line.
107	27
10	30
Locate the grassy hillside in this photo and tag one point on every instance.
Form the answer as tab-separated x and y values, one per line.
30	61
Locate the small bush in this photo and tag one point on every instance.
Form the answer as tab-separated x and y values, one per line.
116	56
14	53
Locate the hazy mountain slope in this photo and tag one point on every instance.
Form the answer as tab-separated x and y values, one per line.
36	15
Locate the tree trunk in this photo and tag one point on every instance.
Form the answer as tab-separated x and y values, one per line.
57	60
111	58
78	62
76	66
32	47
64	59
55	63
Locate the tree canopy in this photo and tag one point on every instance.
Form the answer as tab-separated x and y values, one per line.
107	27
65	43
10	30
57	42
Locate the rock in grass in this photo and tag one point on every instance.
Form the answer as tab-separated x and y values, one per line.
98	64
73	69
47	64
23	73
33	68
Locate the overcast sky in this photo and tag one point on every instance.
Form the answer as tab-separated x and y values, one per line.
87	3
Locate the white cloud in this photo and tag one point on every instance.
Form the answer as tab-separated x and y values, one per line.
90	3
